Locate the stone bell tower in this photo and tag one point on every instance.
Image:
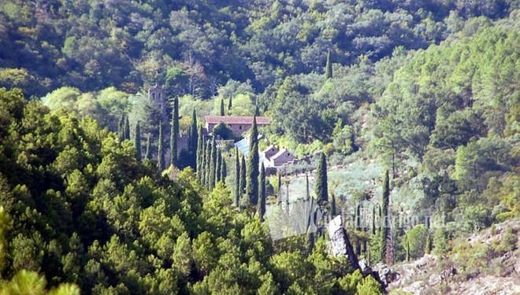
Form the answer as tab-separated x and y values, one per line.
158	98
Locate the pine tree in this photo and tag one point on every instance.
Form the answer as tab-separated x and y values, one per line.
222	110
237	178
174	132
261	194
213	163
127	129
193	140
137	141
160	148
243	175
253	166
147	150
322	191
329	65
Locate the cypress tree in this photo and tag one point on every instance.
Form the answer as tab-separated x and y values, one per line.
200	152
174	132
230	103
257	110
358	229
223	170
428	243
261	194
253	166
329	65
193	140
322	191
121	127
213	163
218	167
373	220
160	150
242	176
127	129
137	141
222	110
333	206
207	164
385	222
279	188
147	150
237	178
307	188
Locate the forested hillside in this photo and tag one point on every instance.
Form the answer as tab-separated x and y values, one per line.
79	208
193	46
398	108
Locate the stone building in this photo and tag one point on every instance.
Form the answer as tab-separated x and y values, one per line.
237	124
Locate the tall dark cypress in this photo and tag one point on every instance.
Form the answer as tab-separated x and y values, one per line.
222	110
242	175
223	170
333	206
127	129
160	149
237	178
253	166
279	188
218	166
385	236
174	132
230	103
207	163
257	110
137	141
200	152
193	140
322	191
121	127
328	67
261	194
148	149
307	188
213	163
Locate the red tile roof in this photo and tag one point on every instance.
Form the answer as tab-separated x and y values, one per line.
236	120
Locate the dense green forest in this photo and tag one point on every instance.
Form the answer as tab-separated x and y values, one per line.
427	90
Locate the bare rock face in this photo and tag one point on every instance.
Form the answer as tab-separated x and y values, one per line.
386	274
339	241
337	237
